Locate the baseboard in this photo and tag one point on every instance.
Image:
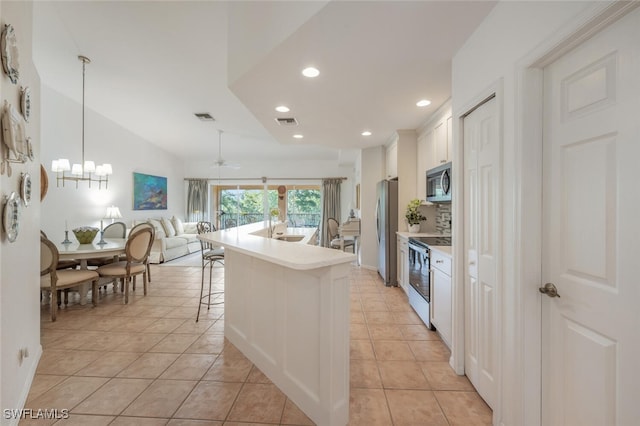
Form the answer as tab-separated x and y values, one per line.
24	393
369	267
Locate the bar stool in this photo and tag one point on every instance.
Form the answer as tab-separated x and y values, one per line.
210	255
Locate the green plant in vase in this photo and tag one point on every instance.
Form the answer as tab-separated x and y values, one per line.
273	218
413	215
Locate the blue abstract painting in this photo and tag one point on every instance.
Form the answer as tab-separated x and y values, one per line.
149	192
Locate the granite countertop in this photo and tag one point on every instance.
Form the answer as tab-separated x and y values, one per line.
248	239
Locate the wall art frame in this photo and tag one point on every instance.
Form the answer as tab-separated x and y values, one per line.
149	192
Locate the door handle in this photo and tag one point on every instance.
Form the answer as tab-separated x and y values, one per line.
550	290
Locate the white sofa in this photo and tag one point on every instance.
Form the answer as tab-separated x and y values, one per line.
174	238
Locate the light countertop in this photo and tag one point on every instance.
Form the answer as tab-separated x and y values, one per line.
251	239
442	249
407	234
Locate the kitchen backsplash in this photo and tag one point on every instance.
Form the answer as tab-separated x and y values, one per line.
443	218
438	218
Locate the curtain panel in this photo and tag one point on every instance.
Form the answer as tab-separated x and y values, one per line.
197	200
330	201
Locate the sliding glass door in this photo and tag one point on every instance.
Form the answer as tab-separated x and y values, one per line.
236	205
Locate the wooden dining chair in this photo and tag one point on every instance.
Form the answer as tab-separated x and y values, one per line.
334	236
63	264
53	279
137	251
141	226
113	230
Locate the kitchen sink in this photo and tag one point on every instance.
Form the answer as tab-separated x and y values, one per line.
290	238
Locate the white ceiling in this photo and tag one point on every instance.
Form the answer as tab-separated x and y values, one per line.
156	63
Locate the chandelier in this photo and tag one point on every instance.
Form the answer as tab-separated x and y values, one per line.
86	171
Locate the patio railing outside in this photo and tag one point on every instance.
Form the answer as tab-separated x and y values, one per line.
299	220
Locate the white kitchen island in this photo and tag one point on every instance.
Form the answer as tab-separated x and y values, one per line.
287	309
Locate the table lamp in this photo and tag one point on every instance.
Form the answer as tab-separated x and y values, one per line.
113	213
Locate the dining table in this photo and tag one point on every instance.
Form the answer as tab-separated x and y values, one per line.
112	247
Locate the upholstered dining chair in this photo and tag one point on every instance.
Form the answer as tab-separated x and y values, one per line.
53	279
334	236
137	250
144	225
63	264
210	255
113	230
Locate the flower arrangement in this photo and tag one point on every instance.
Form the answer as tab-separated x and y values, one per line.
413	215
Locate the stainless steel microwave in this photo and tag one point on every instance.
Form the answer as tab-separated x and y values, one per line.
439	184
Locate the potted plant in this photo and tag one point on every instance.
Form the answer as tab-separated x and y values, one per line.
413	216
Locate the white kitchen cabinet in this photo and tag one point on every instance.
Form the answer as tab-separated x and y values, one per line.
403	262
434	146
441	294
441	143
424	152
392	161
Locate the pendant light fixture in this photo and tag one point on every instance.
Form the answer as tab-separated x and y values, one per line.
86	171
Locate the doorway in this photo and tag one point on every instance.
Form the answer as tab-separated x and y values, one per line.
590	230
482	147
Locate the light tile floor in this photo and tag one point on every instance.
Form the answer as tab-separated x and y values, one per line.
150	363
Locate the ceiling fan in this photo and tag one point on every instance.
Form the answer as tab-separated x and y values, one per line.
220	162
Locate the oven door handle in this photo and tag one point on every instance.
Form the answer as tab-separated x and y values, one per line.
431	301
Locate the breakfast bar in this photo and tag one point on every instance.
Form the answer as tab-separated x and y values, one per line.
287	309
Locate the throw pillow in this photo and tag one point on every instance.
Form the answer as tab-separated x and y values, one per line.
177	225
168	227
158	227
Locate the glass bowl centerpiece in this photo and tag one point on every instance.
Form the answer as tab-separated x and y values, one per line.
85	234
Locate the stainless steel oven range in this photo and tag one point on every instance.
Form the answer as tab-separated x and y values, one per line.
419	273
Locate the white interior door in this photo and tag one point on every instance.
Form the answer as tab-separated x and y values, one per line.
591	232
482	235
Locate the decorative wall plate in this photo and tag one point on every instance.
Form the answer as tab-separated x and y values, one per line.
25	103
44	182
25	189
29	149
9	46
11	217
13	132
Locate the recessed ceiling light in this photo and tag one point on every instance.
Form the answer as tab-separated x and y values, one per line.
298	136
282	108
310	72
423	103
366	133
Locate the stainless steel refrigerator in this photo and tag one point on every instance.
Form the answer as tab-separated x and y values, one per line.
387	225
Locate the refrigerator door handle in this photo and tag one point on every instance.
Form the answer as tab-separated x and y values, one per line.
378	220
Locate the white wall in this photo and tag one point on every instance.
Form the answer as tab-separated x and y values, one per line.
19	275
491	56
105	142
372	172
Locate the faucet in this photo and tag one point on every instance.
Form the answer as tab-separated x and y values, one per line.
270	229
